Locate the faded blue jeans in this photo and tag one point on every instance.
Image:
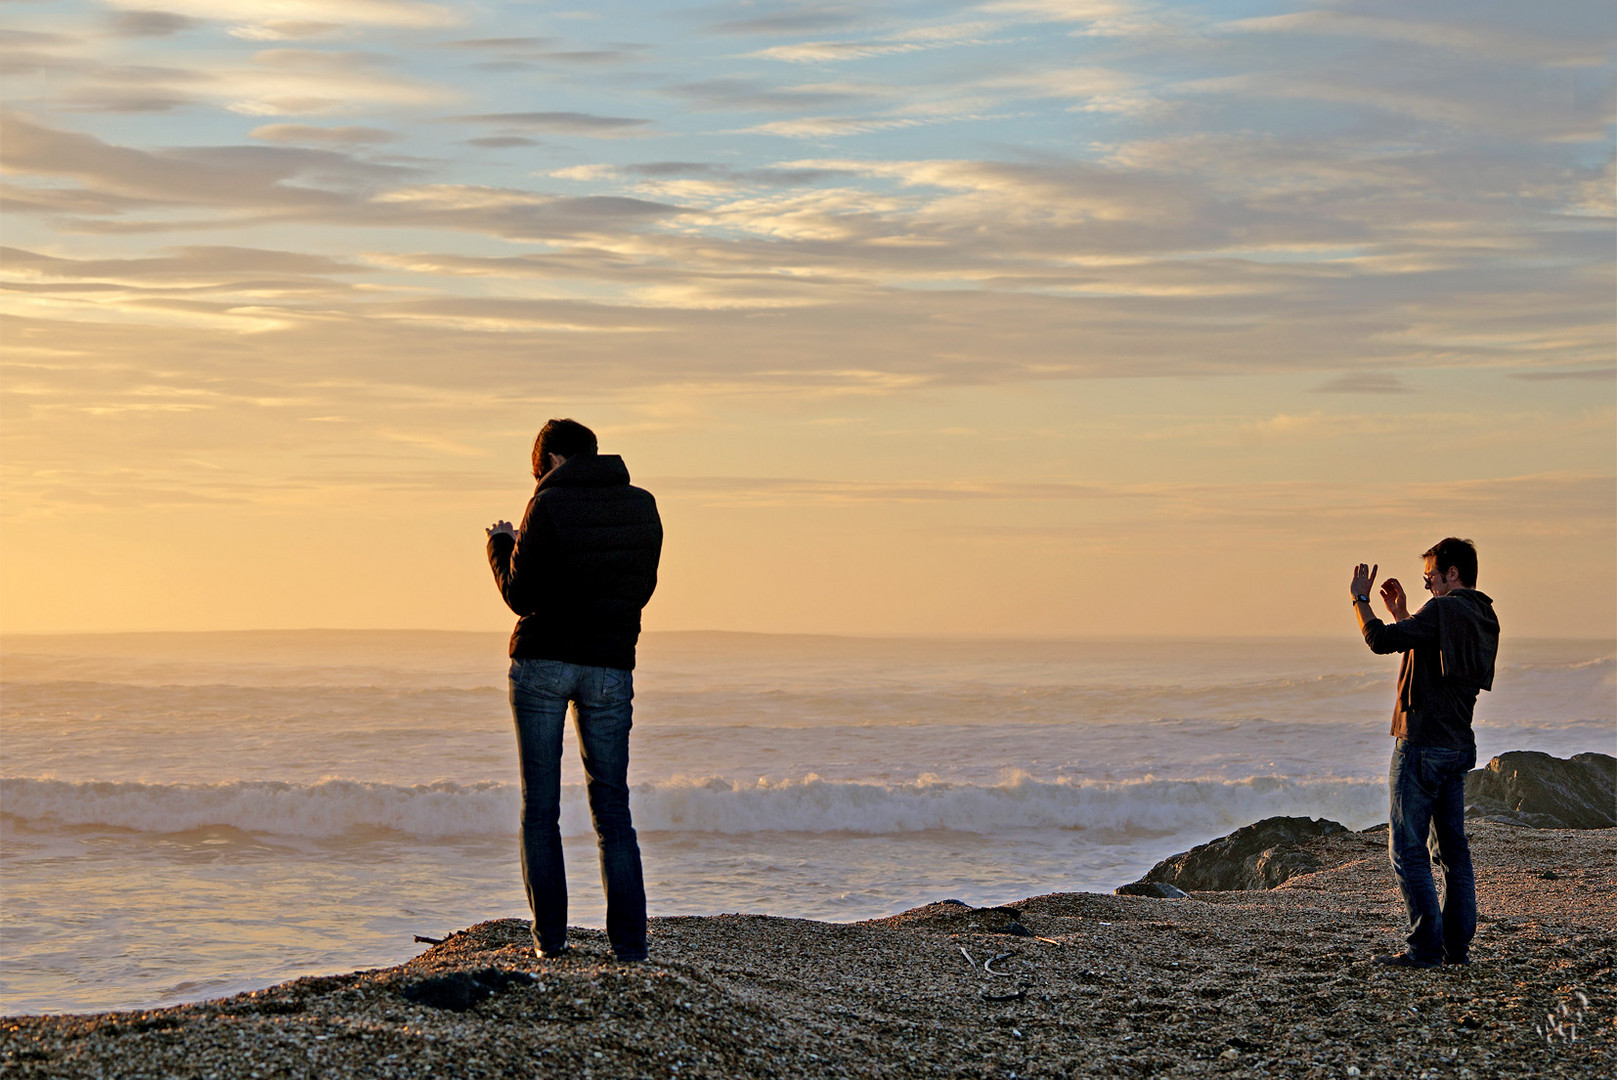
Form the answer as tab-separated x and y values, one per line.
1427	789
603	706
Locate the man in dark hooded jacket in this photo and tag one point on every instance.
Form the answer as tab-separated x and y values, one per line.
1449	647
577	572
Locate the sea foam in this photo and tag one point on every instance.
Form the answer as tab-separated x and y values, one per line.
342	807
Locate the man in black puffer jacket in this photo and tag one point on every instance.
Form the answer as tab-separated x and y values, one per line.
577	573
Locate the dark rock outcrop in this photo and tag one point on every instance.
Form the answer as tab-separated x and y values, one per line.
1161	890
1525	787
1257	856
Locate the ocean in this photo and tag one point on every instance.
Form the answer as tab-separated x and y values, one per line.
186	816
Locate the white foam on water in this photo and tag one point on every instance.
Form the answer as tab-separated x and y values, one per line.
186	814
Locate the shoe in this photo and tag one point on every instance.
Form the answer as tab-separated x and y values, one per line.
1405	960
552	954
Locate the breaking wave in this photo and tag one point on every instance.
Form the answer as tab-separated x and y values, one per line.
338	807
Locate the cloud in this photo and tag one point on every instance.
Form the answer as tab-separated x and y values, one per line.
285	183
736	93
830	127
779	491
924	36
820	52
1369	382
1092	89
270	82
1061	10
1294	507
559	123
727	175
279	82
1600	374
1506	104
1468	32
308	135
1103	213
406	14
244	176
126	101
187	266
787	18
1158	260
503	44
519	54
136	24
502	142
287	30
1099	18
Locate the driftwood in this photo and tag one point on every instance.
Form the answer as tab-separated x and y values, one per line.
988	965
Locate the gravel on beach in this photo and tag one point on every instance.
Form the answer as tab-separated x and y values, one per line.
1276	983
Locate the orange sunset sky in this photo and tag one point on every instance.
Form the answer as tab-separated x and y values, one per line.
1017	317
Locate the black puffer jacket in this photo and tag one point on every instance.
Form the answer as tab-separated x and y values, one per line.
582	565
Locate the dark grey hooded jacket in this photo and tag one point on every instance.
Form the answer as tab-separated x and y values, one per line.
1449	649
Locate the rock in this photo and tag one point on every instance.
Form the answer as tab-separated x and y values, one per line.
1525	787
1159	889
1003	920
457	991
460	990
1257	856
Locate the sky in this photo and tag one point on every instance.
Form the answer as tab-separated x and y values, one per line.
1009	317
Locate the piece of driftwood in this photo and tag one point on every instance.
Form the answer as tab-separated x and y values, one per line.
430	940
988	965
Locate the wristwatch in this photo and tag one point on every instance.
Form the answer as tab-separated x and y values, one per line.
1361	598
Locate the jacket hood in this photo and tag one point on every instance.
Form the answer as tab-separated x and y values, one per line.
587	470
1467	637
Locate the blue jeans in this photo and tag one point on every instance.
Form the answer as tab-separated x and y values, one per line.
1427	787
603	700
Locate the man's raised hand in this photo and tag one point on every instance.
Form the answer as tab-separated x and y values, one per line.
1392	594
1364	576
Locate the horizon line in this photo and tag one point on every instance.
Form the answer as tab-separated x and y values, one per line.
713	631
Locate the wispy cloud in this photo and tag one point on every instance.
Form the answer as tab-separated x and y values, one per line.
1600	374
559	123
309	135
790	18
1369	382
397	13
137	24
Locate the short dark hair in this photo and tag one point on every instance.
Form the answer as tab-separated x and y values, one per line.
565	437
1460	554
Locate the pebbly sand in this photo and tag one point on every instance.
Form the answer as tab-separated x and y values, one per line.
1274	983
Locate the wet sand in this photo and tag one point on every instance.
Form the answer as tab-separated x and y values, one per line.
1273	983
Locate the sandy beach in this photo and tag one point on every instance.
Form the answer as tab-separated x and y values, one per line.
1274	983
